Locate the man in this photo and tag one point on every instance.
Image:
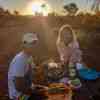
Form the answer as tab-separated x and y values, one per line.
20	70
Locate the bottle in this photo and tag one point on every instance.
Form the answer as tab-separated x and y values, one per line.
73	78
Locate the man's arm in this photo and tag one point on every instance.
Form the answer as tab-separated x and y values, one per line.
21	86
19	66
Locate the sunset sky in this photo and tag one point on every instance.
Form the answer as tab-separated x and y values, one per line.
27	6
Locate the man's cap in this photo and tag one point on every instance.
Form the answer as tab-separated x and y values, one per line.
29	38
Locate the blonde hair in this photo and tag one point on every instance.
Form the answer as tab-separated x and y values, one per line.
70	28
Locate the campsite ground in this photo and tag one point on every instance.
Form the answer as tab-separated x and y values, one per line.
13	27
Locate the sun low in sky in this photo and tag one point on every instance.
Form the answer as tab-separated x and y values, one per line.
30	7
38	7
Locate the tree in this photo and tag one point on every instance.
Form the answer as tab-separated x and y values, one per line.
16	13
7	12
2	11
95	5
52	14
38	14
81	14
43	5
71	8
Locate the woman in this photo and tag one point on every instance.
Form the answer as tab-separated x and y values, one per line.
68	46
69	51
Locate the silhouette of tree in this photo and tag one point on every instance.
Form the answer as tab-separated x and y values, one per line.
43	5
80	14
7	12
2	11
53	14
95	5
16	13
38	14
71	8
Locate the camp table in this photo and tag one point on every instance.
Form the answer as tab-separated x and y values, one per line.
59	95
